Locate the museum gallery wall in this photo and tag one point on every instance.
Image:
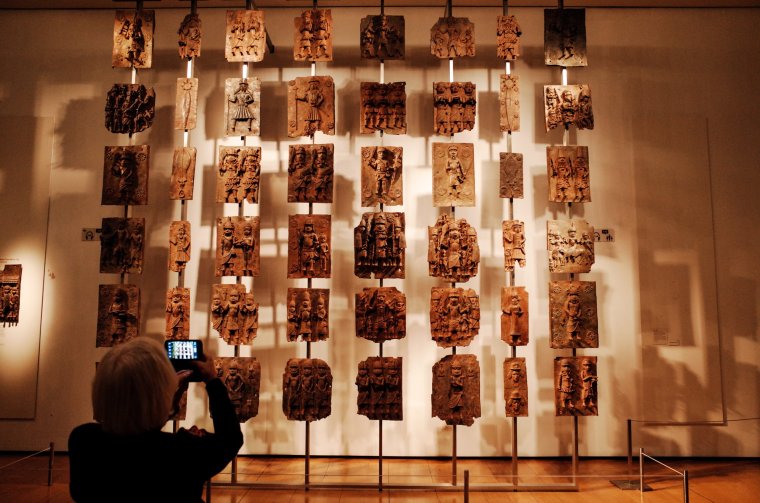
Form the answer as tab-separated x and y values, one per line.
333	269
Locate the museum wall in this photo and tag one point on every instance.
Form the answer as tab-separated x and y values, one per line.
674	173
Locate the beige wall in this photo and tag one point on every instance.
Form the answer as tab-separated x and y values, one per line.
674	160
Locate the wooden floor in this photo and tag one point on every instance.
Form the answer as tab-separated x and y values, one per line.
723	480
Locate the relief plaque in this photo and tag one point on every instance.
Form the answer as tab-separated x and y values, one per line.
383	108
311	106
515	387
179	245
378	383
565	37
242	106
186	104
308	314
310	173
118	314
508	38
572	314
313	36
509	103
306	389
238	174
133	39
568	172
380	314
242	378
382	37
382	176
122	243
453	174
182	180
234	314
571	246
510	175
125	175
177	313
456	389
454	107
309	252
189	36
566	106
452	37
454	316
453	251
513	237
237	246
245	36
514	316
10	294
130	108
575	386
380	246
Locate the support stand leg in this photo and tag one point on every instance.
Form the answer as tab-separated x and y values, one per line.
51	458
575	449
306	460
380	456
454	455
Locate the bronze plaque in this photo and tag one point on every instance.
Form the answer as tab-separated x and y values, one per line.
125	175
508	38
572	314
308	314
380	246
311	106
237	246
245	36
575	386
515	387
454	107
509	103
238	174
306	389
132	39
565	37
510	175
378	383
10	294
453	251
452	37
571	245
242	106
183	174
242	377
130	108
569	178
381	314
456	389
118	314
567	106
310	173
513	237
453	174
189	36
382	176
309	251
383	108
382	37
179	245
186	104
454	316
234	314
122	243
313	36
177	313
514	316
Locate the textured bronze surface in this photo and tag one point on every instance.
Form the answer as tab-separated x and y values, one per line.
456	389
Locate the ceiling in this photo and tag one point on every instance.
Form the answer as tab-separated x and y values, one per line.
166	4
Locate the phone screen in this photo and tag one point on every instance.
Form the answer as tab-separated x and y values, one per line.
182	350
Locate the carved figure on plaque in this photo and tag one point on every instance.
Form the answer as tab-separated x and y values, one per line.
309	253
245	36
452	37
453	251
118	314
308	314
572	314
311	106
509	103
310	173
565	37
568	168
513	237
453	174
190	36
456	389
454	107
515	387
379	388
571	246
238	174
382	180
510	175
454	316
508	38
383	108
121	245
568	106
183	174
237	246
130	108
313	36
10	294
234	314
306	389
242	378
514	316
381	314
178	313
179	245
382	37
575	392
125	175
133	39
186	104
242	106
380	246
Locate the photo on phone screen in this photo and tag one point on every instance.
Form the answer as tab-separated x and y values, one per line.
183	350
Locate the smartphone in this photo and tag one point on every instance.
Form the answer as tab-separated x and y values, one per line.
181	353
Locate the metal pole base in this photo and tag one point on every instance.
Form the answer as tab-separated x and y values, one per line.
629	485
